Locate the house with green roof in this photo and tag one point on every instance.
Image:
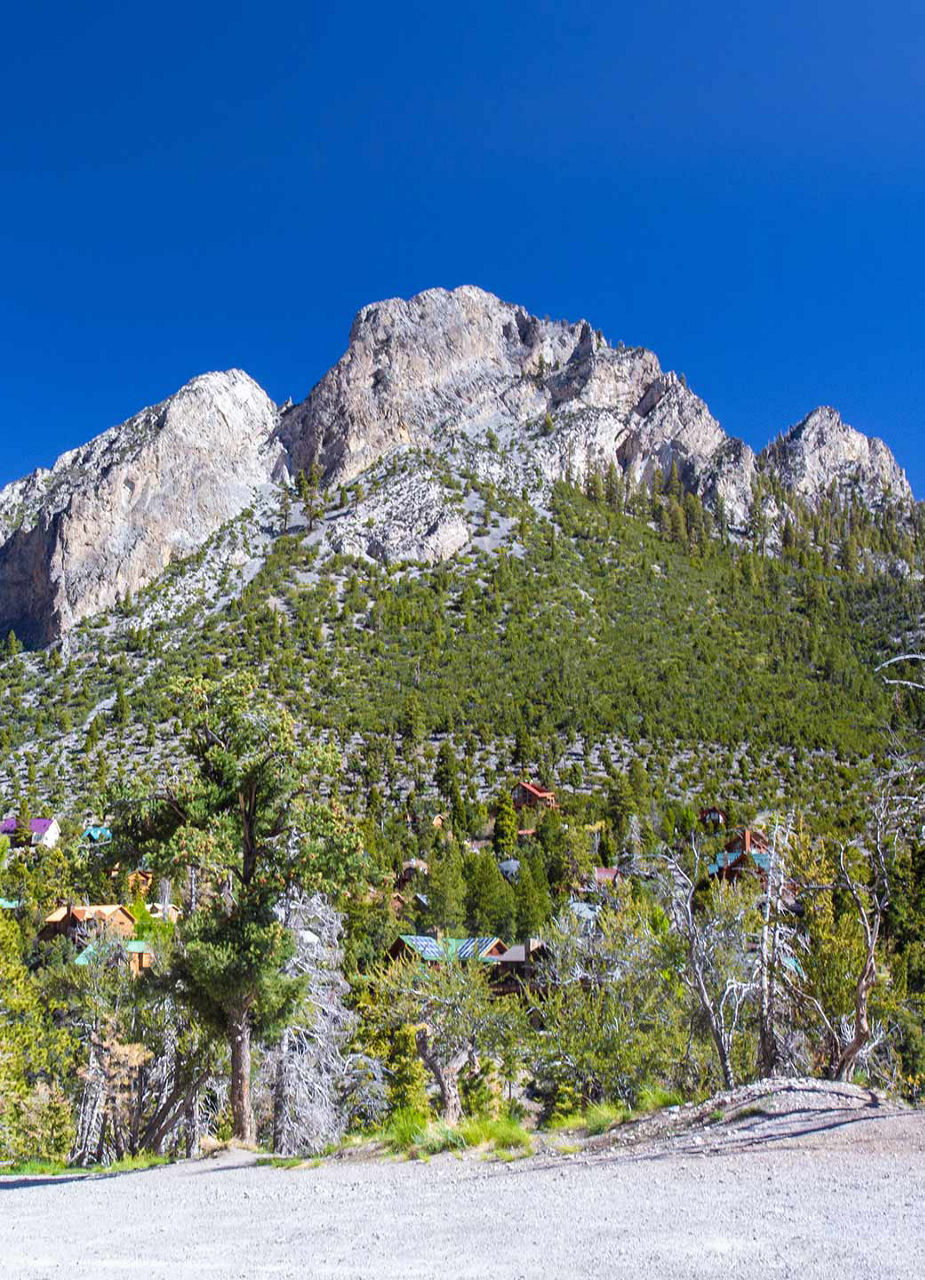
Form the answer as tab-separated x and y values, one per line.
440	949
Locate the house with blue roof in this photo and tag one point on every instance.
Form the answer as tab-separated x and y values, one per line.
747	850
97	835
440	949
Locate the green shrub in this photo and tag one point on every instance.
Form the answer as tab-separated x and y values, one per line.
654	1098
603	1117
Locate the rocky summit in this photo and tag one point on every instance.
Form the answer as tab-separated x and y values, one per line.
459	376
109	517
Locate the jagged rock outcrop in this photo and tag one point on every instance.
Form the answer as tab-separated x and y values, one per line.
450	364
476	384
410	518
823	450
109	517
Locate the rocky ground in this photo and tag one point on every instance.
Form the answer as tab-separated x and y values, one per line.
801	1182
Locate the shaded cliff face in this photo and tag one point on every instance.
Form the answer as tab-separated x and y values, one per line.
108	518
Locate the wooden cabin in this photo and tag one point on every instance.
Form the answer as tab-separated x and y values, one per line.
527	796
77	923
439	949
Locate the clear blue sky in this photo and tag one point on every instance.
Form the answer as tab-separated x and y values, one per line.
183	187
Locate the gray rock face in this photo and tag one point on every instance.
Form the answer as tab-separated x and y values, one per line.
410	518
110	516
449	365
822	450
474	383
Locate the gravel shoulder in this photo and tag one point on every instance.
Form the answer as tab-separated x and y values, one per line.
799	1181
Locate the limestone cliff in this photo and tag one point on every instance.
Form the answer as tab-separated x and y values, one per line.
475	384
109	517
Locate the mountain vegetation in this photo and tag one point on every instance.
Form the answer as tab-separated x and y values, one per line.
299	747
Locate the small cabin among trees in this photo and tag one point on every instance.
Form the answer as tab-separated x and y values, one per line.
527	796
41	832
439	949
714	817
77	922
745	850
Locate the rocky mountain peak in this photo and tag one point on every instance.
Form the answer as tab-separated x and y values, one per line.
478	385
109	517
447	366
822	450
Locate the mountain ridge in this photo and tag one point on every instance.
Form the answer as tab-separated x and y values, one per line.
460	375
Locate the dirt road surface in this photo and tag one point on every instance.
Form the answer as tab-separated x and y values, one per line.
792	1190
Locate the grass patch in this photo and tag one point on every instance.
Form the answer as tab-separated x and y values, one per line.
48	1168
558	1124
409	1133
280	1162
54	1168
654	1098
501	1135
603	1117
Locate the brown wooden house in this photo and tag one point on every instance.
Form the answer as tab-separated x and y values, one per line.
527	796
77	923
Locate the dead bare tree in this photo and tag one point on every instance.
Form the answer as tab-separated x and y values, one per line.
315	1083
776	955
145	1061
720	966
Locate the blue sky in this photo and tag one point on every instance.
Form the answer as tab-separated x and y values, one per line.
740	187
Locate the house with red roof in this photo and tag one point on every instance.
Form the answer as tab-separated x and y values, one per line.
527	796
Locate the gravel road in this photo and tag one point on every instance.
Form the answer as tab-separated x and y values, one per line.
804	1193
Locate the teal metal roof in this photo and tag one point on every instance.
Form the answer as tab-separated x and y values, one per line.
9	904
137	945
98	835
448	948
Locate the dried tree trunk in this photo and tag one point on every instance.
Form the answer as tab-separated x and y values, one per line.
280	1093
239	1033
446	1075
769	1055
716	1031
193	1127
844	1066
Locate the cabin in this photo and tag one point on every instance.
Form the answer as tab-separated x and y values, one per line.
713	817
527	796
77	922
745	850
437	950
585	913
409	869
606	877
139	881
517	967
43	833
137	951
399	901
96	836
170	912
510	869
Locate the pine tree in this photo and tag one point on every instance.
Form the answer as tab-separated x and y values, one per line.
242	817
505	835
446	891
530	915
489	898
